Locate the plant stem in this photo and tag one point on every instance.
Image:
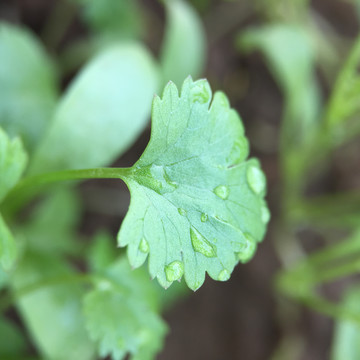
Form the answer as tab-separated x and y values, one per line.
31	186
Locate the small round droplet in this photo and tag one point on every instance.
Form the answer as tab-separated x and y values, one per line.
224	275
201	245
200	92
204	217
182	211
174	271
256	179
222	192
144	246
249	250
265	215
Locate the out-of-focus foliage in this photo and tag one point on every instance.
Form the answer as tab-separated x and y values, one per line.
28	86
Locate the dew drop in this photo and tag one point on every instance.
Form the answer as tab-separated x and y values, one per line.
204	217
174	271
248	252
182	211
222	192
238	152
201	245
144	246
200	92
265	214
224	275
256	179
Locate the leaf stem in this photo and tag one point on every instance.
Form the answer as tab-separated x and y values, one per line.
31	186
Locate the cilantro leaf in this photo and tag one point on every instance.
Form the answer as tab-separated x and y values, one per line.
196	203
13	160
130	323
8	249
184	47
28	90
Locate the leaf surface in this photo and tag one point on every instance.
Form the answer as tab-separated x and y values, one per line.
28	90
346	344
183	51
103	111
13	160
52	313
121	314
196	203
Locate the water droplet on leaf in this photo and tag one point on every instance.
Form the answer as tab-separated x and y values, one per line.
256	179
204	217
200	244
200	92
144	246
224	275
174	271
222	192
248	252
182	211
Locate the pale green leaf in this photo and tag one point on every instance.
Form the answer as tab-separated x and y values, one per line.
346	343
52	313
103	111
8	248
101	252
113	18
183	51
130	323
196	203
13	160
52	223
28	87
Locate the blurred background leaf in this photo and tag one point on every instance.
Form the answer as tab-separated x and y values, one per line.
103	111
28	91
184	44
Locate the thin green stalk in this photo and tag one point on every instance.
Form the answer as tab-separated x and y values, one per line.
31	186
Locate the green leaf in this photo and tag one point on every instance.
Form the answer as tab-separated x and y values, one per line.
13	160
28	87
51	307
121	314
102	113
113	18
346	343
343	106
15	345
196	203
8	248
57	216
101	252
183	51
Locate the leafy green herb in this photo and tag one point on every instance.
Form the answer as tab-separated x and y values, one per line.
196	202
130	323
13	160
183	51
103	111
28	90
